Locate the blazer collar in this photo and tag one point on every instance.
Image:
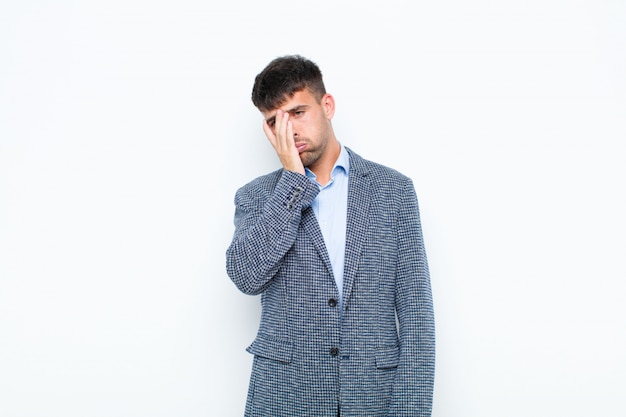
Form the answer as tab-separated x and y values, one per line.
312	228
359	192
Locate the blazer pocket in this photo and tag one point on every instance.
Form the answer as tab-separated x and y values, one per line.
388	357
278	350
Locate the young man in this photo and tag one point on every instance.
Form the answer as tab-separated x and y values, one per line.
333	243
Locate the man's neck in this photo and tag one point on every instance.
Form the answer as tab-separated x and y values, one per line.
324	166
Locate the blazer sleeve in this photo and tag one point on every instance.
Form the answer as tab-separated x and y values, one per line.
413	385
266	227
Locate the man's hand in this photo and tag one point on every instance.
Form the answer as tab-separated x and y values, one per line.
281	138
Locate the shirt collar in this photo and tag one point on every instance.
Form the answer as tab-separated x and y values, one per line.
343	161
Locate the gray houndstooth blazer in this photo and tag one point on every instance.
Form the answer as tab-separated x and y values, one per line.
307	360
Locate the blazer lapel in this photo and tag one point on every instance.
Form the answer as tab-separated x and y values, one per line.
312	229
356	227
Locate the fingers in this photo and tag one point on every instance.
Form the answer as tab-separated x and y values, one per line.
291	142
281	138
268	132
281	135
282	129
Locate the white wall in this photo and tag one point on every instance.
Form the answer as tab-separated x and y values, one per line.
126	127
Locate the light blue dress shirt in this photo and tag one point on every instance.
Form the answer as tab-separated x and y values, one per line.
331	209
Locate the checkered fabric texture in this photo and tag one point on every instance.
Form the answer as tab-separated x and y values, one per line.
374	358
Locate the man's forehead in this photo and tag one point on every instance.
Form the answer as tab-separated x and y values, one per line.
297	101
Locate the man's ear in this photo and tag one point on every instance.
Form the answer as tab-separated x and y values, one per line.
328	104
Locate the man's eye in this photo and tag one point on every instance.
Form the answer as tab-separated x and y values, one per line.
298	113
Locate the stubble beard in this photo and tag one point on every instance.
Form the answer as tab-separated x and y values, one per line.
311	156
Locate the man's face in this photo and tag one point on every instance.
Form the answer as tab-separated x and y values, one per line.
311	123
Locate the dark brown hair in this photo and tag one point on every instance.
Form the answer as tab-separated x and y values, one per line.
282	78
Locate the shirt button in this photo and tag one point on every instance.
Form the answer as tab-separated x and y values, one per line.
334	351
332	302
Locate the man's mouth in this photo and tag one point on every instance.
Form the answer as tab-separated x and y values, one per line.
300	146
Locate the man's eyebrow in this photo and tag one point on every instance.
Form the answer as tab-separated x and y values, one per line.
297	108
271	120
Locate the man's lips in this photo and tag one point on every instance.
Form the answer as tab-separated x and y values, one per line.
300	146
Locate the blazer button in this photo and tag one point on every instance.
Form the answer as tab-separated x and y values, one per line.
332	302
334	351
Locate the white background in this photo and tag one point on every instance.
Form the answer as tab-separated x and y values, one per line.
126	127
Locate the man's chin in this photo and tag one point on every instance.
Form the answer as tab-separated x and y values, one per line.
308	158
